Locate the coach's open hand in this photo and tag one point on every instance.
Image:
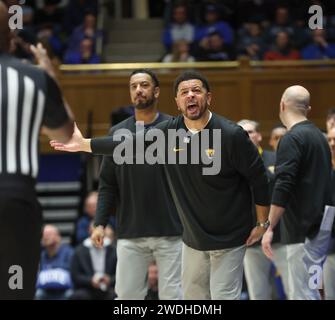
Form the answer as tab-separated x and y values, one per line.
77	143
97	236
266	243
255	235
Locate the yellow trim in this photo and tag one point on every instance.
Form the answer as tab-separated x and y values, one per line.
241	63
149	65
260	150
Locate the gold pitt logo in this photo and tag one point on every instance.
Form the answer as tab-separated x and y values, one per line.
210	153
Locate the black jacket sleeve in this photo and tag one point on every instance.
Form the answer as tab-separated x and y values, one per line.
108	190
107	145
249	164
287	168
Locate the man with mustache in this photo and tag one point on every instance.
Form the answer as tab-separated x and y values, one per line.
148	227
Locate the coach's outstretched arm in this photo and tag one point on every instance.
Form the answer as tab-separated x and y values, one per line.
75	144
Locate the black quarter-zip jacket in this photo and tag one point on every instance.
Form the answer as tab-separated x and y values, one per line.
302	182
215	210
138	194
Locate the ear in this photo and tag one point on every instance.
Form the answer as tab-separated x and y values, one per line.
309	109
177	103
209	98
260	138
157	92
282	106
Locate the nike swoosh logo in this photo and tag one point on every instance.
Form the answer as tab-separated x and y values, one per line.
177	150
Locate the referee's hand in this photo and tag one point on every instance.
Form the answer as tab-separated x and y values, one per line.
97	236
42	59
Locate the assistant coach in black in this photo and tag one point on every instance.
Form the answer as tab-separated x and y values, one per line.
301	191
29	98
148	227
215	210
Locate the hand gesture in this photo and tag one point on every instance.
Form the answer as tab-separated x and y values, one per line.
98	236
266	243
255	235
76	143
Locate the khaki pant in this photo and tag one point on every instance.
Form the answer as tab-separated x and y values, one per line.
215	274
134	257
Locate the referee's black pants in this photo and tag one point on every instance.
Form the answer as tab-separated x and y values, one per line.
20	236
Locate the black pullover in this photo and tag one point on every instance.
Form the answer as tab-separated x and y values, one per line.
138	193
302	181
215	210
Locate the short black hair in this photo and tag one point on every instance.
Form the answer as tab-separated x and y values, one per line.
190	75
148	72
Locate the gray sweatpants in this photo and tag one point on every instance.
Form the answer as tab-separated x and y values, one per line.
214	274
257	271
133	259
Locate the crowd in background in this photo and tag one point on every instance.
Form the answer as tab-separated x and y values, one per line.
68	29
261	30
79	270
194	30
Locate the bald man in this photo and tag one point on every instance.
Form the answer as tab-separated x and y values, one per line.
29	99
301	191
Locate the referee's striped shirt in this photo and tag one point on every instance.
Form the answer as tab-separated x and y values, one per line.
29	98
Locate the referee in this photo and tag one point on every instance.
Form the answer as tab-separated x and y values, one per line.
29	99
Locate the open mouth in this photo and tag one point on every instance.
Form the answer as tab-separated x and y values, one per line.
192	107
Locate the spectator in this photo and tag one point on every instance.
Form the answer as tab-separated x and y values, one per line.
86	30
93	270
85	55
180	53
214	24
251	41
282	50
54	281
75	12
214	48
320	49
179	29
83	224
282	24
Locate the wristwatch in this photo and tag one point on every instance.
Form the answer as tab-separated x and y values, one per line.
264	225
